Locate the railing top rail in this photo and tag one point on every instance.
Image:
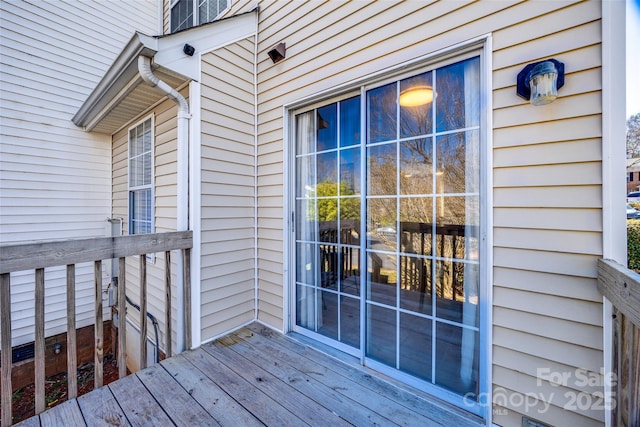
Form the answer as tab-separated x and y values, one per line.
49	254
621	286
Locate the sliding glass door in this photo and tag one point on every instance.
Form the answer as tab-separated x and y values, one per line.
387	195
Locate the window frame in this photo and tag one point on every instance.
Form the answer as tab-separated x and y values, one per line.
151	186
195	17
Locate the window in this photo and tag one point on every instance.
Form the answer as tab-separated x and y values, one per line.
183	16
141	178
631	176
386	242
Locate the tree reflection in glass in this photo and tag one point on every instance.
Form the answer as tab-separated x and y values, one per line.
457	160
381	169
416	166
458	100
382	113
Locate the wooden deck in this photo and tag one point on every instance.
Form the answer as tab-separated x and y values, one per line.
253	377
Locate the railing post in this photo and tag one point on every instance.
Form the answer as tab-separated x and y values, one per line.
621	286
122	317
72	361
5	343
98	327
39	341
143	311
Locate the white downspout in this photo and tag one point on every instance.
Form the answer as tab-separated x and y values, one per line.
182	196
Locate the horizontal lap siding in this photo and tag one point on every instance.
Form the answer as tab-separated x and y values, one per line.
547	164
547	218
54	176
227	271
165	178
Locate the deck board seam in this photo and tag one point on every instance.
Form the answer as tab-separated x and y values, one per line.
328	393
392	409
399	395
153	397
194	354
265	380
178	364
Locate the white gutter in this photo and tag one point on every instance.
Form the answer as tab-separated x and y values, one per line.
182	196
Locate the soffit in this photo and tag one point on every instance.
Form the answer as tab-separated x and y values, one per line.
134	99
121	95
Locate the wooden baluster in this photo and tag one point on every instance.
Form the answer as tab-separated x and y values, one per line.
72	355
143	311
122	318
167	318
99	337
628	377
5	343
39	341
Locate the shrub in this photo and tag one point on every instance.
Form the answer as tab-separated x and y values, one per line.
633	244
635	205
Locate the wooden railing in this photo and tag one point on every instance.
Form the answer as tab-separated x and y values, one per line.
621	286
38	256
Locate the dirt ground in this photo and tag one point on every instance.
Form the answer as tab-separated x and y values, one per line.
56	388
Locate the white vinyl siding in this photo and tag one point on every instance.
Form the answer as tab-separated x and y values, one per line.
237	7
55	178
227	199
547	163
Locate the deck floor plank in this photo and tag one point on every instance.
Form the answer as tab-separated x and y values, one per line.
29	422
139	406
262	406
284	367
369	385
175	401
348	381
308	409
101	409
66	414
208	394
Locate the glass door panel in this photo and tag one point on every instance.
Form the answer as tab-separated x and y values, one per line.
422	209
415	175
327	221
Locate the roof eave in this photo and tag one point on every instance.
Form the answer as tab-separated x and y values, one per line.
123	69
121	95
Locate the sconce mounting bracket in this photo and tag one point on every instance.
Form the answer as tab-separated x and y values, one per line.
523	89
